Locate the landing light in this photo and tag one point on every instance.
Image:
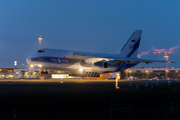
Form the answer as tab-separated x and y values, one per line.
80	69
31	65
39	65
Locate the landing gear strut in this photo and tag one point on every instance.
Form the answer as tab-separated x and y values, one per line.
44	71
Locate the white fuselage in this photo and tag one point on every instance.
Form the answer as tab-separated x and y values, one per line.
64	60
88	63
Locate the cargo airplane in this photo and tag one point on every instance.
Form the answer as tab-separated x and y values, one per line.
88	63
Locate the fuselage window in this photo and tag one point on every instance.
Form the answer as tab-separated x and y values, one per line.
40	51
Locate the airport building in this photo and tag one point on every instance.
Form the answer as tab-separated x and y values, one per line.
151	73
36	74
8	73
133	73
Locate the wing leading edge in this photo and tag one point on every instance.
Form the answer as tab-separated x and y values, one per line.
114	57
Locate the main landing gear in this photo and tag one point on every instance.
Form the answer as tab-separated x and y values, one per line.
44	71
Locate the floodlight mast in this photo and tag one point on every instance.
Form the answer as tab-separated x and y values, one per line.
159	57
169	59
40	38
166	56
154	59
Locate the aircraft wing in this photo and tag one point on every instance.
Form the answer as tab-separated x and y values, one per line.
89	55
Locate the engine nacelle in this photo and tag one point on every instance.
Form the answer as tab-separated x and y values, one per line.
109	64
84	63
105	64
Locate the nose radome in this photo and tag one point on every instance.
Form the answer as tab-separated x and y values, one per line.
28	60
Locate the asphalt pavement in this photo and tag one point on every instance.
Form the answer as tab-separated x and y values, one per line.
89	99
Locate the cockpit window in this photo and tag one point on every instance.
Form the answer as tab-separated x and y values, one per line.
41	50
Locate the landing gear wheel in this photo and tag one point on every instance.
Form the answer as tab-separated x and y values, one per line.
44	71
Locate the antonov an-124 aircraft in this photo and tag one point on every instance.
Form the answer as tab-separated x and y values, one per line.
88	63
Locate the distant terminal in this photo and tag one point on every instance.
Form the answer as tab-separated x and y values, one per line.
128	74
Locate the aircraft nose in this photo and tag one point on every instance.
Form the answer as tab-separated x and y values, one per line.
28	60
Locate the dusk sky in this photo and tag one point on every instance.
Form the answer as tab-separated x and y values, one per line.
101	26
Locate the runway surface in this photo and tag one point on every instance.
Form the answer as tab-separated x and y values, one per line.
89	99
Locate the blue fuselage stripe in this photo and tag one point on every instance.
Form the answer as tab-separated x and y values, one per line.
122	64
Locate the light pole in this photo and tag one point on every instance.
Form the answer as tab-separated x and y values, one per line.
40	38
169	59
159	57
139	63
166	56
127	71
15	63
154	59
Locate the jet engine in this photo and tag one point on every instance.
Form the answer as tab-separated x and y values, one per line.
85	63
106	64
109	64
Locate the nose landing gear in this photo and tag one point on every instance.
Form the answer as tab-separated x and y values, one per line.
44	71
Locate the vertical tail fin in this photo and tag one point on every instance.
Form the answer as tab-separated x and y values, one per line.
130	49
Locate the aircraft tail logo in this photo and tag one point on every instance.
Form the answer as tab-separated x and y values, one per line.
130	49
